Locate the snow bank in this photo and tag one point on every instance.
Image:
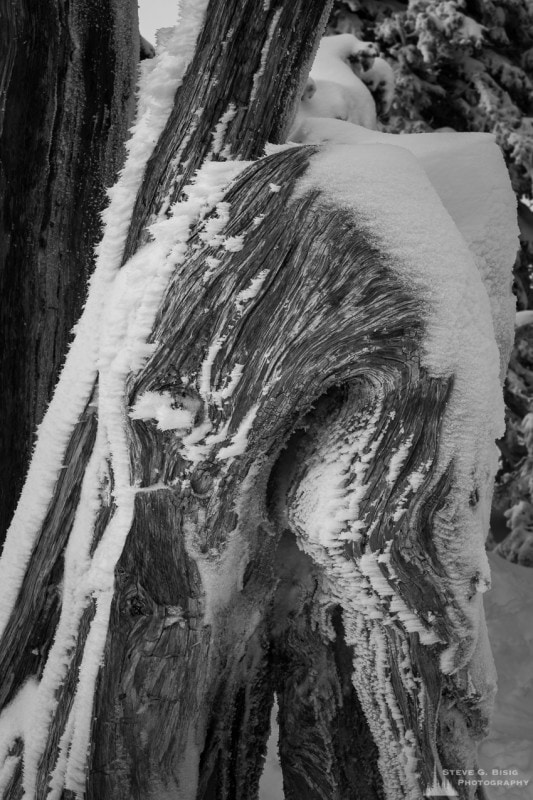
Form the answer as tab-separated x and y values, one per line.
328	99
334	57
523	318
509	746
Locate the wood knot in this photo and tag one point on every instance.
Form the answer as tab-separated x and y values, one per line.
201	480
136	607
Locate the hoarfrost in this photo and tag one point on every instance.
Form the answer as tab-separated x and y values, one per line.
240	438
397	461
428	252
111	341
220	130
252	291
160	77
161	406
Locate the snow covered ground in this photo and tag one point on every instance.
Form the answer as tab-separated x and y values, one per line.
509	613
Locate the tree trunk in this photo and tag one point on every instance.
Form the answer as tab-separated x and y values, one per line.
67	77
178	564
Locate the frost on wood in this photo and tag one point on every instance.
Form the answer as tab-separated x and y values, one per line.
159	80
285	489
60	150
470	178
273	394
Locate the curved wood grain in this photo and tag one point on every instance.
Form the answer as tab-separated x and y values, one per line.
329	330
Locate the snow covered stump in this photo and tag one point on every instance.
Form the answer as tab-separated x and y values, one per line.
313	381
280	483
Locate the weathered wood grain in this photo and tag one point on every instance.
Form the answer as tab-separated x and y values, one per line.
326	748
30	631
67	80
329	326
216	607
250	61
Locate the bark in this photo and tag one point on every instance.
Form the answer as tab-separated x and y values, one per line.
67	78
220	597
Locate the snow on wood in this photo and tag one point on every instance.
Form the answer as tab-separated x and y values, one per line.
15	723
76	591
380	80
160	78
161	406
233	244
239	440
397	461
428	250
265	52
111	341
252	290
233	380
220	129
82	708
470	177
327	504
383	309
215	224
334	90
127	323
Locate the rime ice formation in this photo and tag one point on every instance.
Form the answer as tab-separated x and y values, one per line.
110	342
446	242
470	178
159	80
402	194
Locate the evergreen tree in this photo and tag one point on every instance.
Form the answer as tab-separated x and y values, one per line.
461	65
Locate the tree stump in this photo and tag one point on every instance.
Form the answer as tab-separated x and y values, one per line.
264	490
